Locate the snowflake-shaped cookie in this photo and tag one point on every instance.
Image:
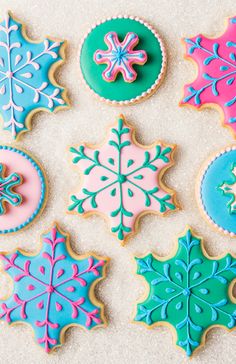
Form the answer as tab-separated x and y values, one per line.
26	76
6	189
53	289
122	179
228	188
215	82
120	57
190	291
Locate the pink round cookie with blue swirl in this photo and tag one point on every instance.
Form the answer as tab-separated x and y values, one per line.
122	60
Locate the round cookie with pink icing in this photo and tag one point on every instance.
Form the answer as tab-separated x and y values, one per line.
122	60
23	189
123	179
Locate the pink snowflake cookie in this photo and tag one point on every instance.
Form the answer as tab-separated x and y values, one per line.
120	57
53	289
215	82
123	179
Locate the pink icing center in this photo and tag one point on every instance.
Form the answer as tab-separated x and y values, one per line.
30	190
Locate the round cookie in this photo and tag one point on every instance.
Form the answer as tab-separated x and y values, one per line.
23	189
216	191
122	60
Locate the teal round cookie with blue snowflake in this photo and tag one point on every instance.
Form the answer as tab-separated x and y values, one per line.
216	191
122	60
27	83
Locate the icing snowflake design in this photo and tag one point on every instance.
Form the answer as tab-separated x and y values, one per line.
122	179
228	188
25	83
120	57
190	291
53	289
6	186
215	83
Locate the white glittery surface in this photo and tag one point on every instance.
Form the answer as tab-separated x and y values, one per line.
197	134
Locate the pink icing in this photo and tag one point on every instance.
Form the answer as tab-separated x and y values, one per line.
120	57
30	190
222	68
104	200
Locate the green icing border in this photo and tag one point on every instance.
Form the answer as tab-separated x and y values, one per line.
149	75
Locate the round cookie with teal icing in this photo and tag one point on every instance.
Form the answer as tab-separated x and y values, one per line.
122	60
27	82
53	289
23	189
189	291
216	191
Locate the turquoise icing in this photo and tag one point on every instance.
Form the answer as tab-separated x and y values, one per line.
24	76
214	202
43	189
52	289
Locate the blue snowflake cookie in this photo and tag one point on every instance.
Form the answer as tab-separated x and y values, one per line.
53	289
27	84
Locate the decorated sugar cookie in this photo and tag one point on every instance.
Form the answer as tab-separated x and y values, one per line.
123	179
27	83
122	60
188	291
53	289
7	194
215	81
23	189
216	191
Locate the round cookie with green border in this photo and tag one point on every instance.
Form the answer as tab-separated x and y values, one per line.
122	60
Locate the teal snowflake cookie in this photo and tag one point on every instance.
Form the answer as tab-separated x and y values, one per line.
123	179
228	188
53	289
6	189
189	291
27	84
122	60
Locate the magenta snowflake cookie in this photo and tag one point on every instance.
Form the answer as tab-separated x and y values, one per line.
23	189
53	289
27	82
215	82
123	180
122	60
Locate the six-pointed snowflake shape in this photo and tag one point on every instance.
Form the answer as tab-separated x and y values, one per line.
53	290
216	82
122	179
190	291
6	192
120	57
26	76
228	188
